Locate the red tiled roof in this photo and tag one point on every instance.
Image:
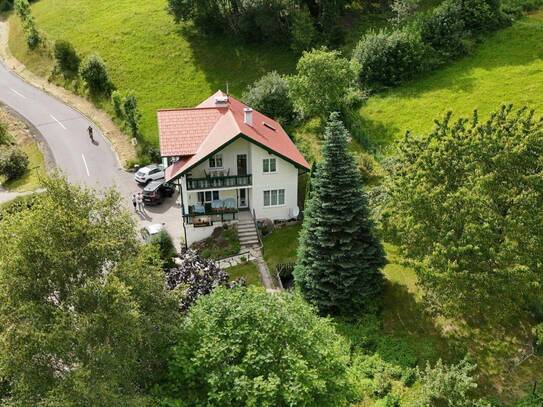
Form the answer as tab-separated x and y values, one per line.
197	133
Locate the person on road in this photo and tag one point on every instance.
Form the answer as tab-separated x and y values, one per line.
139	198
91	133
135	202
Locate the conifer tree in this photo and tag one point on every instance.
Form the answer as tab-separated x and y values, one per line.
339	257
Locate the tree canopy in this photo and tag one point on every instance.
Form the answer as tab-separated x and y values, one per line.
245	347
339	257
465	206
85	318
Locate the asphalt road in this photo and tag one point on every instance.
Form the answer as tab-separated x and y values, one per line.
65	131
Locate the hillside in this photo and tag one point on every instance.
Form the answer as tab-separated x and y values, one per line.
506	68
163	64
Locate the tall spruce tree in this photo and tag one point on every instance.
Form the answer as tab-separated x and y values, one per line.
339	257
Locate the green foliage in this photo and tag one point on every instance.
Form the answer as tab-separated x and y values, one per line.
85	318
66	56
22	8
224	242
403	11
463	206
94	72
339	257
132	114
389	58
538	337
443	30
13	162
482	15
451	386
263	21
322	82
5	137
117	102
246	347
19	204
165	247
270	96
33	37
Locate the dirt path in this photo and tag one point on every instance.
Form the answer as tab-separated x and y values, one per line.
119	141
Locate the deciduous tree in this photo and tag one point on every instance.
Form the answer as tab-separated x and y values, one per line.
465	204
245	347
85	318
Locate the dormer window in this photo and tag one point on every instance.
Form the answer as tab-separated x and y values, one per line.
215	161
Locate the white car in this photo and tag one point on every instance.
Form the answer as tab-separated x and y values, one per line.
151	230
149	173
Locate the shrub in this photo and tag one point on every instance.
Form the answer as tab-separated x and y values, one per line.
389	58
132	114
368	167
244	347
270	95
443	30
13	162
164	243
5	137
117	102
322	82
538	337
22	8
33	36
94	73
303	31
66	57
18	205
482	15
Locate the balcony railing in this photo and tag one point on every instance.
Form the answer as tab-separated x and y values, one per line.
219	182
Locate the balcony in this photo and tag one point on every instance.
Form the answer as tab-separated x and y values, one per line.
229	181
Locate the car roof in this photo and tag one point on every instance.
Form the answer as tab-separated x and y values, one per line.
154	228
153	185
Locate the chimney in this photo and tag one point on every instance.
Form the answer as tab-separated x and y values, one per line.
248	119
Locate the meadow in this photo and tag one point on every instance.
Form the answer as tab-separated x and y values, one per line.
505	68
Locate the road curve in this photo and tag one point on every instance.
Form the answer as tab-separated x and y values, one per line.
65	132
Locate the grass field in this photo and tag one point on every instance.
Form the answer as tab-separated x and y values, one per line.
165	65
506	68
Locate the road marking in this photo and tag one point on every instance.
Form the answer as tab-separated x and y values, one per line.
18	93
59	123
86	166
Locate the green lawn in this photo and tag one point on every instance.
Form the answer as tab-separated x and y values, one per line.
281	245
247	270
165	65
505	68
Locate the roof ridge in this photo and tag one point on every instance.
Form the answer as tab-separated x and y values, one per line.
180	109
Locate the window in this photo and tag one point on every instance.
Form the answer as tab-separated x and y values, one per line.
208	196
215	161
269	165
275	197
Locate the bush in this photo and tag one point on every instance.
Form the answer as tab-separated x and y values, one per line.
443	30
482	15
94	73
389	58
132	114
164	243
17	205
66	56
322	82
22	8
270	96
117	102
5	137
303	31
538	337
13	162
244	347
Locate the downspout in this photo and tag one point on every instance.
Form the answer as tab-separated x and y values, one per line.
182	212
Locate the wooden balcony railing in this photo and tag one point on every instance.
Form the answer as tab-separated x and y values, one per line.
219	182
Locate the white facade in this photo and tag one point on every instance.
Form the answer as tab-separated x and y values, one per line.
269	187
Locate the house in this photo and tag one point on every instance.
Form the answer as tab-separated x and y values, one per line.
231	162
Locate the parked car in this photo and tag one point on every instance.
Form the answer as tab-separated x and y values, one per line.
149	173
156	191
151	230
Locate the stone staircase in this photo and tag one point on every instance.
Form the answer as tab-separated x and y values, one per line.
248	236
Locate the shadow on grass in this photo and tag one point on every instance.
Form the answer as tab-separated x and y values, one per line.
226	60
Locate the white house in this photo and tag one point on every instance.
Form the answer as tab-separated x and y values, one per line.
229	161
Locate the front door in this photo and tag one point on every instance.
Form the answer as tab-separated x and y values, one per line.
242	164
243	201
